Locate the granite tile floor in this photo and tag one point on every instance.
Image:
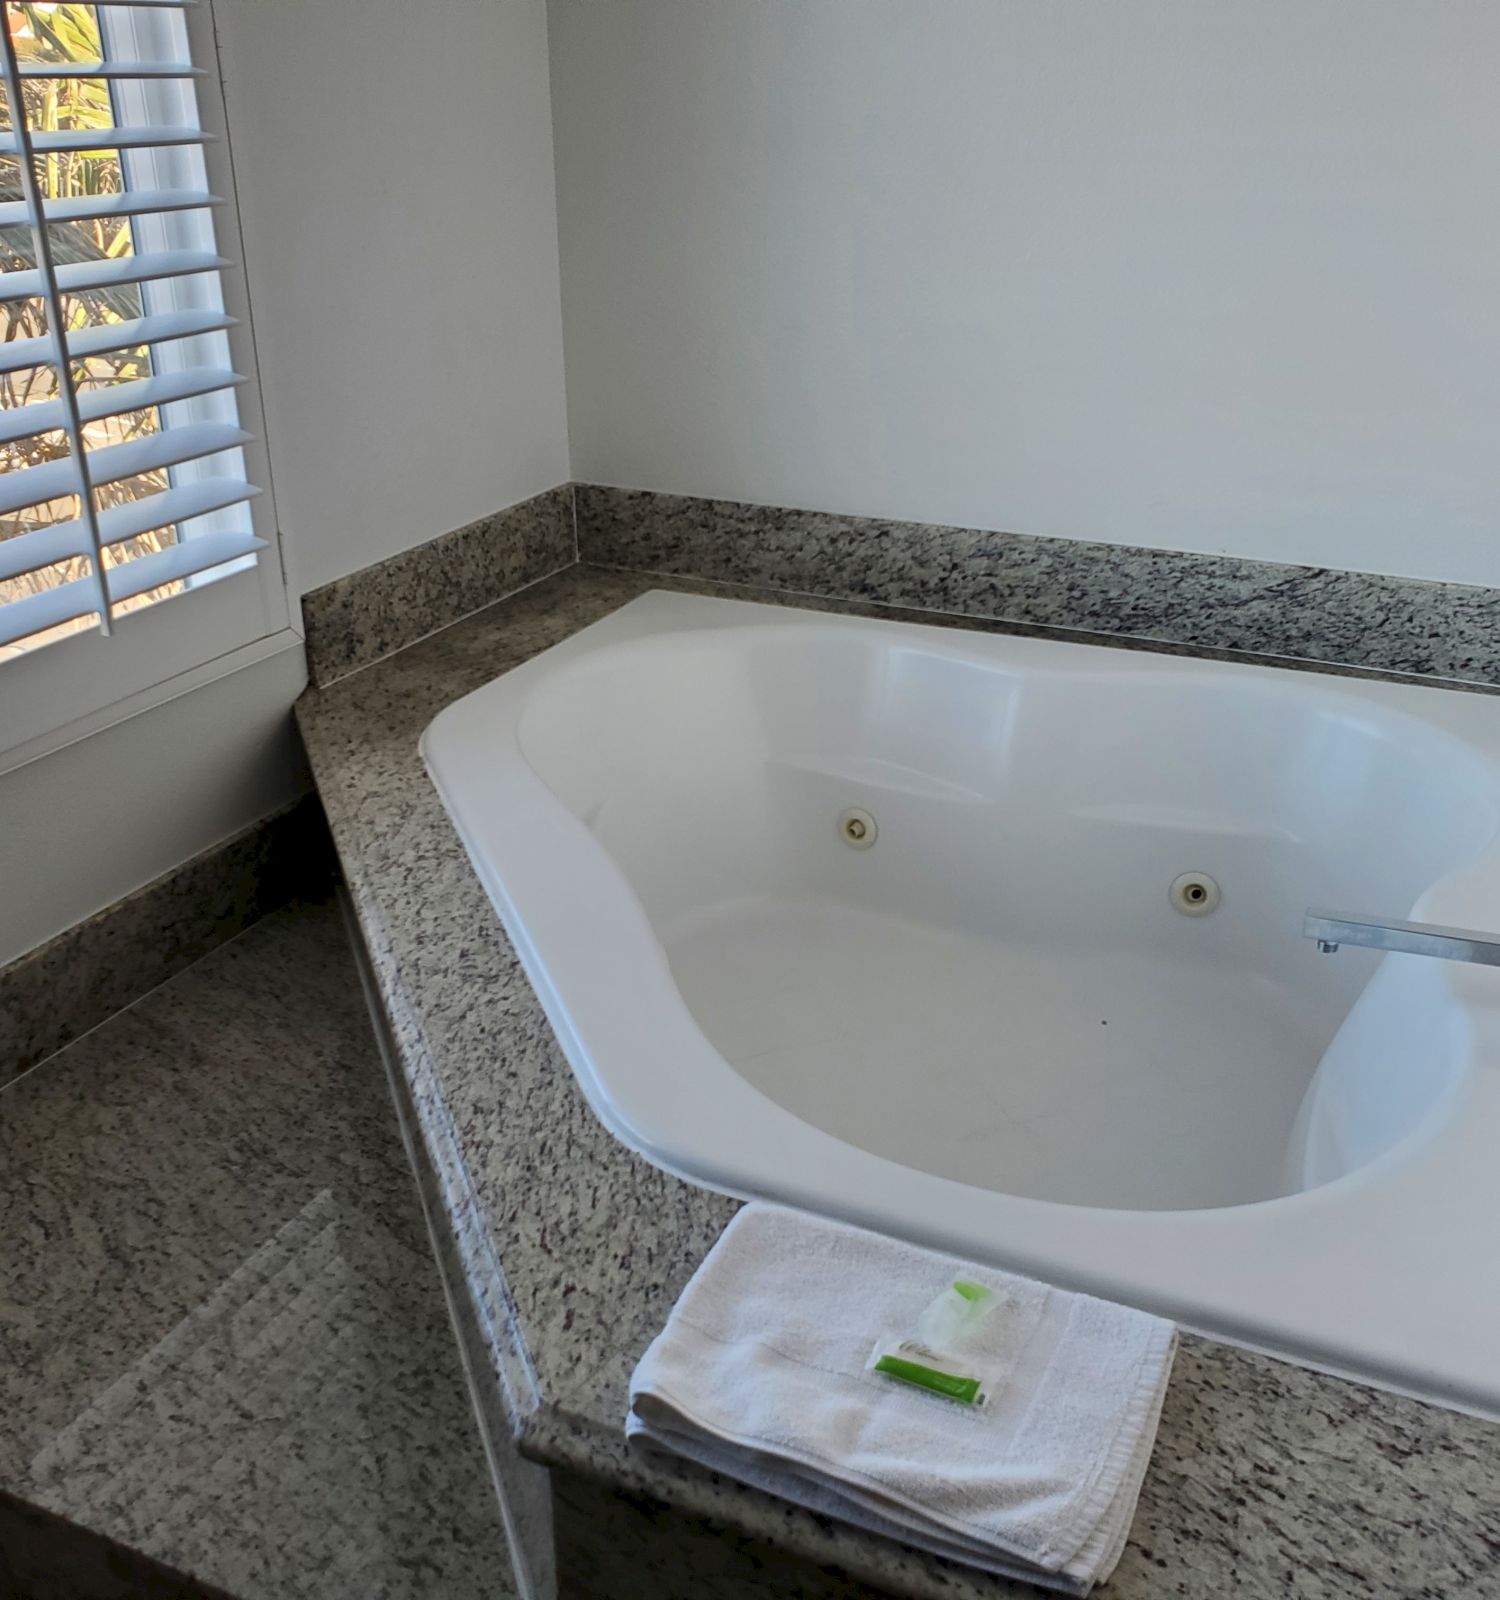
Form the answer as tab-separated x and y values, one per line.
223	1340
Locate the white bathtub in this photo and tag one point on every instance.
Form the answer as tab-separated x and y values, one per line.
992	1031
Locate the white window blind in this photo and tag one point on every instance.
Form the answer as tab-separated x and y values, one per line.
125	478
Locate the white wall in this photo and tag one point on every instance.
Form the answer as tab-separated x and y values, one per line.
394	168
394	164
1210	276
86	825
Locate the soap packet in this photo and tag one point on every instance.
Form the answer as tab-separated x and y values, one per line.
934	1360
909	1361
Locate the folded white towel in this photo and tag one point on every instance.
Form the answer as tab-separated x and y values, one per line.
760	1373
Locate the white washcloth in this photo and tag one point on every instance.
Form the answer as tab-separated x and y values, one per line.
760	1374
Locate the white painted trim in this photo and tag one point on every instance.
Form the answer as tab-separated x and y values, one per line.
147	699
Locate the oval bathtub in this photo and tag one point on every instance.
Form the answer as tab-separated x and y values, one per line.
993	1015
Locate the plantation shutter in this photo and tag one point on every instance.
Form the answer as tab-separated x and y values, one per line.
127	511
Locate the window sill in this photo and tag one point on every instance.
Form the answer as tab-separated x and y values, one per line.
157	694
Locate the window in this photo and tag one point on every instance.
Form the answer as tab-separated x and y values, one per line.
128	476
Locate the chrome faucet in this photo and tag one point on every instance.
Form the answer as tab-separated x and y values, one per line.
1331	930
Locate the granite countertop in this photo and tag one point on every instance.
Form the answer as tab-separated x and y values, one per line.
1267	1477
223	1342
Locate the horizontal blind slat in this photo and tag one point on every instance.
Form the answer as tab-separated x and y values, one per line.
20	618
103	337
74	139
109	69
77	277
30	486
61	541
179	561
161	389
91	207
24	421
25	552
182	504
18	354
170	449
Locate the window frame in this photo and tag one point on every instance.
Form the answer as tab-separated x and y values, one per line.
74	686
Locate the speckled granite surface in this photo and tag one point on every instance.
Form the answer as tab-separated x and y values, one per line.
481	1327
223	1343
1208	602
1267	1480
73	982
381	608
